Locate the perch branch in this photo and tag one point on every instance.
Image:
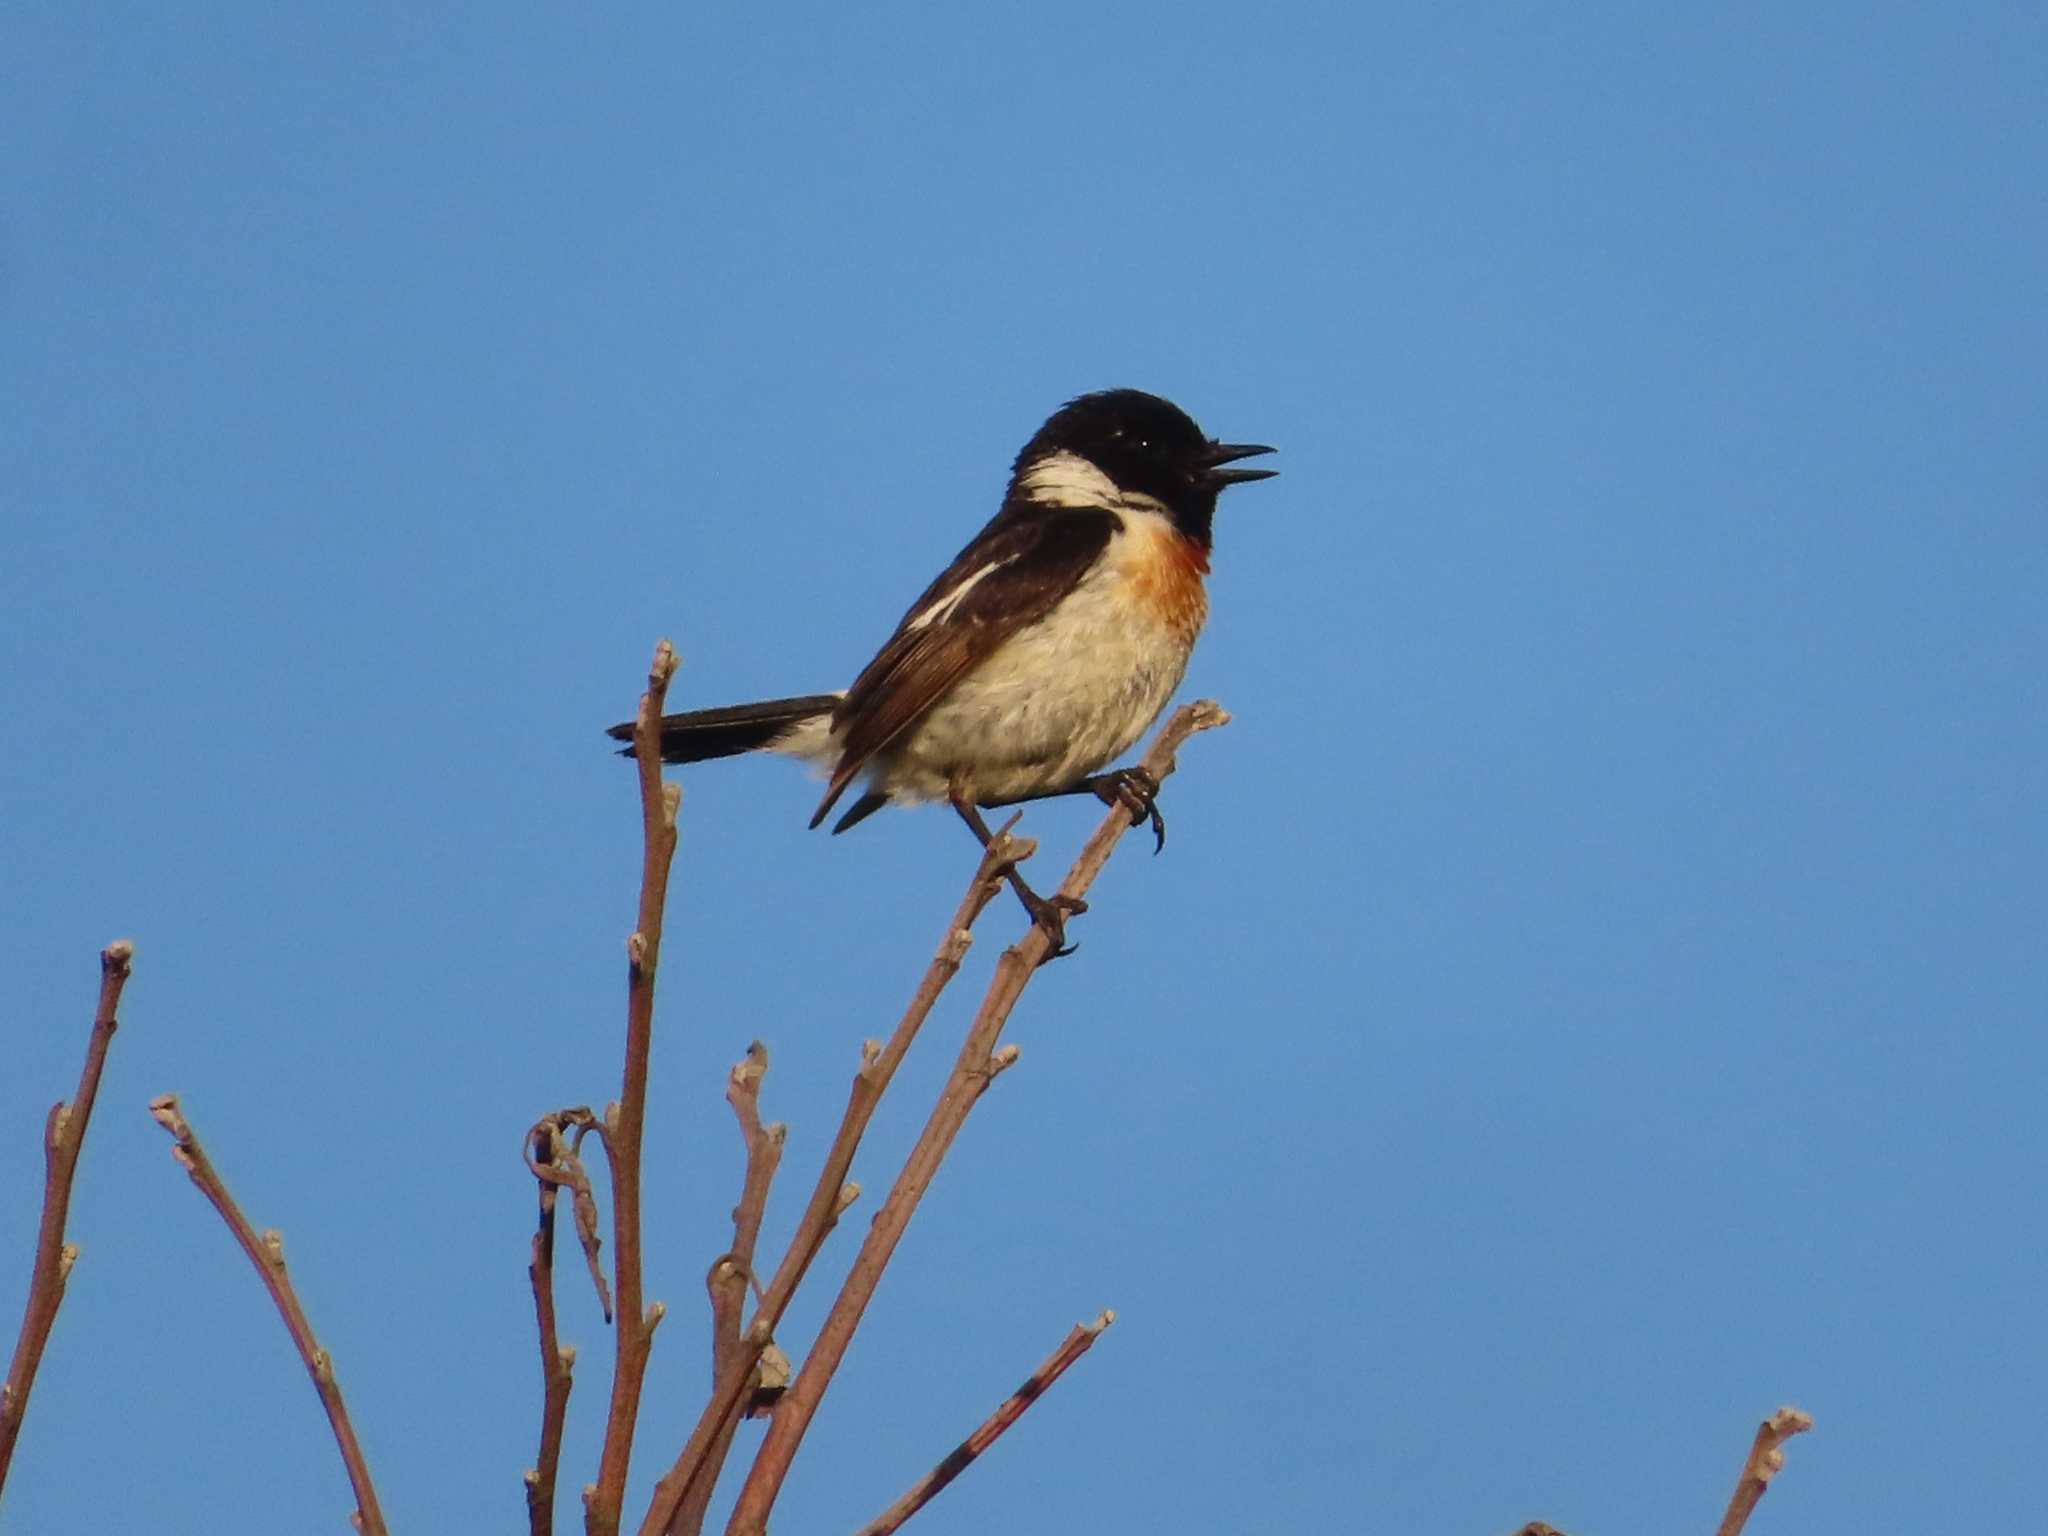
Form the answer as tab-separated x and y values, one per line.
625	1121
976	1067
687	1487
962	1456
1766	1460
63	1140
267	1254
830	1198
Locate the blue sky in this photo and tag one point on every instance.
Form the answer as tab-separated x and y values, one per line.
1593	993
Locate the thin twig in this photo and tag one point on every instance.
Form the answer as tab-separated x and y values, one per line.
733	1274
567	1171
63	1140
267	1254
698	1464
962	1456
544	1145
1766	1460
977	1066
625	1121
830	1198
764	1155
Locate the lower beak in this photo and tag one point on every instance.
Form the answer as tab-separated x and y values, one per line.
1228	453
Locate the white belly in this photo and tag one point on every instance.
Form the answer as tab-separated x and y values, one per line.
1057	701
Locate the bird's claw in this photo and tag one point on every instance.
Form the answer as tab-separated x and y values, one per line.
1051	914
1138	793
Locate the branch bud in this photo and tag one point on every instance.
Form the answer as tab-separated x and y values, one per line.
164	1110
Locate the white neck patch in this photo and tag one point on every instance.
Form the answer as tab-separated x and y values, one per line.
1068	480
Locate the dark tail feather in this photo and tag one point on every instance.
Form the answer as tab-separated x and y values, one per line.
708	733
863	808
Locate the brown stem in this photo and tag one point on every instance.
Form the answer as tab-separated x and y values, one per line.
571	1126
962	1456
830	1198
545	1143
976	1067
267	1254
764	1155
687	1486
625	1121
63	1140
1765	1461
733	1274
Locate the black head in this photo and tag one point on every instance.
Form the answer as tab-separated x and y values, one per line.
1143	445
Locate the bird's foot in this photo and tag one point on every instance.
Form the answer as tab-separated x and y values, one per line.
1051	914
1137	792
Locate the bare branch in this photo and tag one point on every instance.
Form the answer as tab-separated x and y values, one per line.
545	1145
962	1456
267	1254
1766	1460
571	1126
973	1071
686	1488
764	1155
63	1140
625	1121
733	1274
829	1199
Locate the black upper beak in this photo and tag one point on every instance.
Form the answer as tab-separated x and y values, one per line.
1221	454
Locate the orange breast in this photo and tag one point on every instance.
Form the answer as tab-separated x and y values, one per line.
1165	571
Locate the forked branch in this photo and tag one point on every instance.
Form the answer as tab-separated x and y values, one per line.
978	1064
552	1157
680	1497
732	1277
267	1254
63	1140
764	1145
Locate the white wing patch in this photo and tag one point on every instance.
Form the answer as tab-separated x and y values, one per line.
941	610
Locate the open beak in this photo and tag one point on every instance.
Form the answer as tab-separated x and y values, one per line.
1221	454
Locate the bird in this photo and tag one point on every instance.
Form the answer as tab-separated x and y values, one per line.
1040	654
